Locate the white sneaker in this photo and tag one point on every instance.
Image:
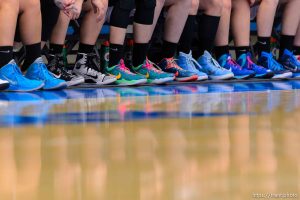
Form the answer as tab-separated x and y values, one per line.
85	67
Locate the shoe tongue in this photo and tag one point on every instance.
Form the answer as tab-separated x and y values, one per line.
207	54
287	52
12	62
39	60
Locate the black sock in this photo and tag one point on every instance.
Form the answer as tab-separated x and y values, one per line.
186	39
32	53
139	53
168	49
6	55
263	44
84	48
241	50
297	50
208	27
221	50
286	42
56	48
115	54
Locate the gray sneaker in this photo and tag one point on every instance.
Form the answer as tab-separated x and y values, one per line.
85	67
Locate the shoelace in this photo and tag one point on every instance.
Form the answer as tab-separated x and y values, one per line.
17	74
233	64
93	61
274	63
123	67
172	64
45	71
151	66
250	63
215	63
192	62
56	63
86	60
294	59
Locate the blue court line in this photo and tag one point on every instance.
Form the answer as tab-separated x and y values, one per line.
167	90
103	117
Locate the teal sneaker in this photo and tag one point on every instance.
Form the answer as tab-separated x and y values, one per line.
124	75
38	71
213	69
187	62
153	74
17	82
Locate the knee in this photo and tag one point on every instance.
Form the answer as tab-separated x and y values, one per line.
11	5
214	6
194	7
272	3
227	5
186	4
160	2
87	7
31	5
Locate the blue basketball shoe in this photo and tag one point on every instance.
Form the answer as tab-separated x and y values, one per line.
290	62
267	60
245	60
212	68
227	62
17	82
187	62
39	71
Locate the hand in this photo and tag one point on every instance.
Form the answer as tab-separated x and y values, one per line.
74	11
64	4
251	2
100	7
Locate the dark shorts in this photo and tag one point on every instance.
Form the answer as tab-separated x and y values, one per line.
130	4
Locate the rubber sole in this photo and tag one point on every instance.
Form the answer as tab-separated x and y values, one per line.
57	87
265	76
245	77
130	83
202	78
4	86
75	82
283	76
161	81
223	77
187	79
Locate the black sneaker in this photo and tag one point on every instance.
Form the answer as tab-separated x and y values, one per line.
87	67
58	70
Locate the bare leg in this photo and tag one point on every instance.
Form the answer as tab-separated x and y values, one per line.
222	37
59	32
297	39
241	22
8	20
291	17
265	17
30	31
265	21
290	22
90	27
297	43
176	18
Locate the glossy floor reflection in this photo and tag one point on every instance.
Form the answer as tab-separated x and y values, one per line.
187	142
